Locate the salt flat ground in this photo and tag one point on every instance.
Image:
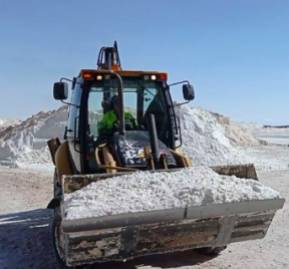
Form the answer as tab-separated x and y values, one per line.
274	135
25	239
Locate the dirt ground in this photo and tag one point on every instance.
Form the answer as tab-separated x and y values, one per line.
25	238
23	189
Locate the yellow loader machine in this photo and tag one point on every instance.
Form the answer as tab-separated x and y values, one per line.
124	121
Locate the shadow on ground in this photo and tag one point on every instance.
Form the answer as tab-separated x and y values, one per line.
165	261
26	242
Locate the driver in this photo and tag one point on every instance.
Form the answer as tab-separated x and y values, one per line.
110	120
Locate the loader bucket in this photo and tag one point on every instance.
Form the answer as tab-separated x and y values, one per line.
126	236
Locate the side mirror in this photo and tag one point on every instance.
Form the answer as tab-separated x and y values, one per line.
188	92
60	90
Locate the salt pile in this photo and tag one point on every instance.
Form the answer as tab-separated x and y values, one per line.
212	139
24	144
144	191
5	123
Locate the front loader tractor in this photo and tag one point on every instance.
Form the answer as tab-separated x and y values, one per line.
120	122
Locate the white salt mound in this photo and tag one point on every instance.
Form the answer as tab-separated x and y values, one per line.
144	191
212	139
4	123
24	144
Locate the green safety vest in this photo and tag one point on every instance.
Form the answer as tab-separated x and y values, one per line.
110	119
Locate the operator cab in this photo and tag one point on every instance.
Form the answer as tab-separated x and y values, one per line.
116	107
142	94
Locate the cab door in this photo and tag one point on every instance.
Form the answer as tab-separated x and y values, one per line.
72	131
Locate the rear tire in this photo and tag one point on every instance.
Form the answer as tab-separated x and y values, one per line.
211	251
55	202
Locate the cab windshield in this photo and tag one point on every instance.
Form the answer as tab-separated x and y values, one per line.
140	98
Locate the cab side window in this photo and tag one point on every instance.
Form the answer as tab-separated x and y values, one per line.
73	118
95	111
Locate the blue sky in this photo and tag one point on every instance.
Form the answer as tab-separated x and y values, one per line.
236	53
